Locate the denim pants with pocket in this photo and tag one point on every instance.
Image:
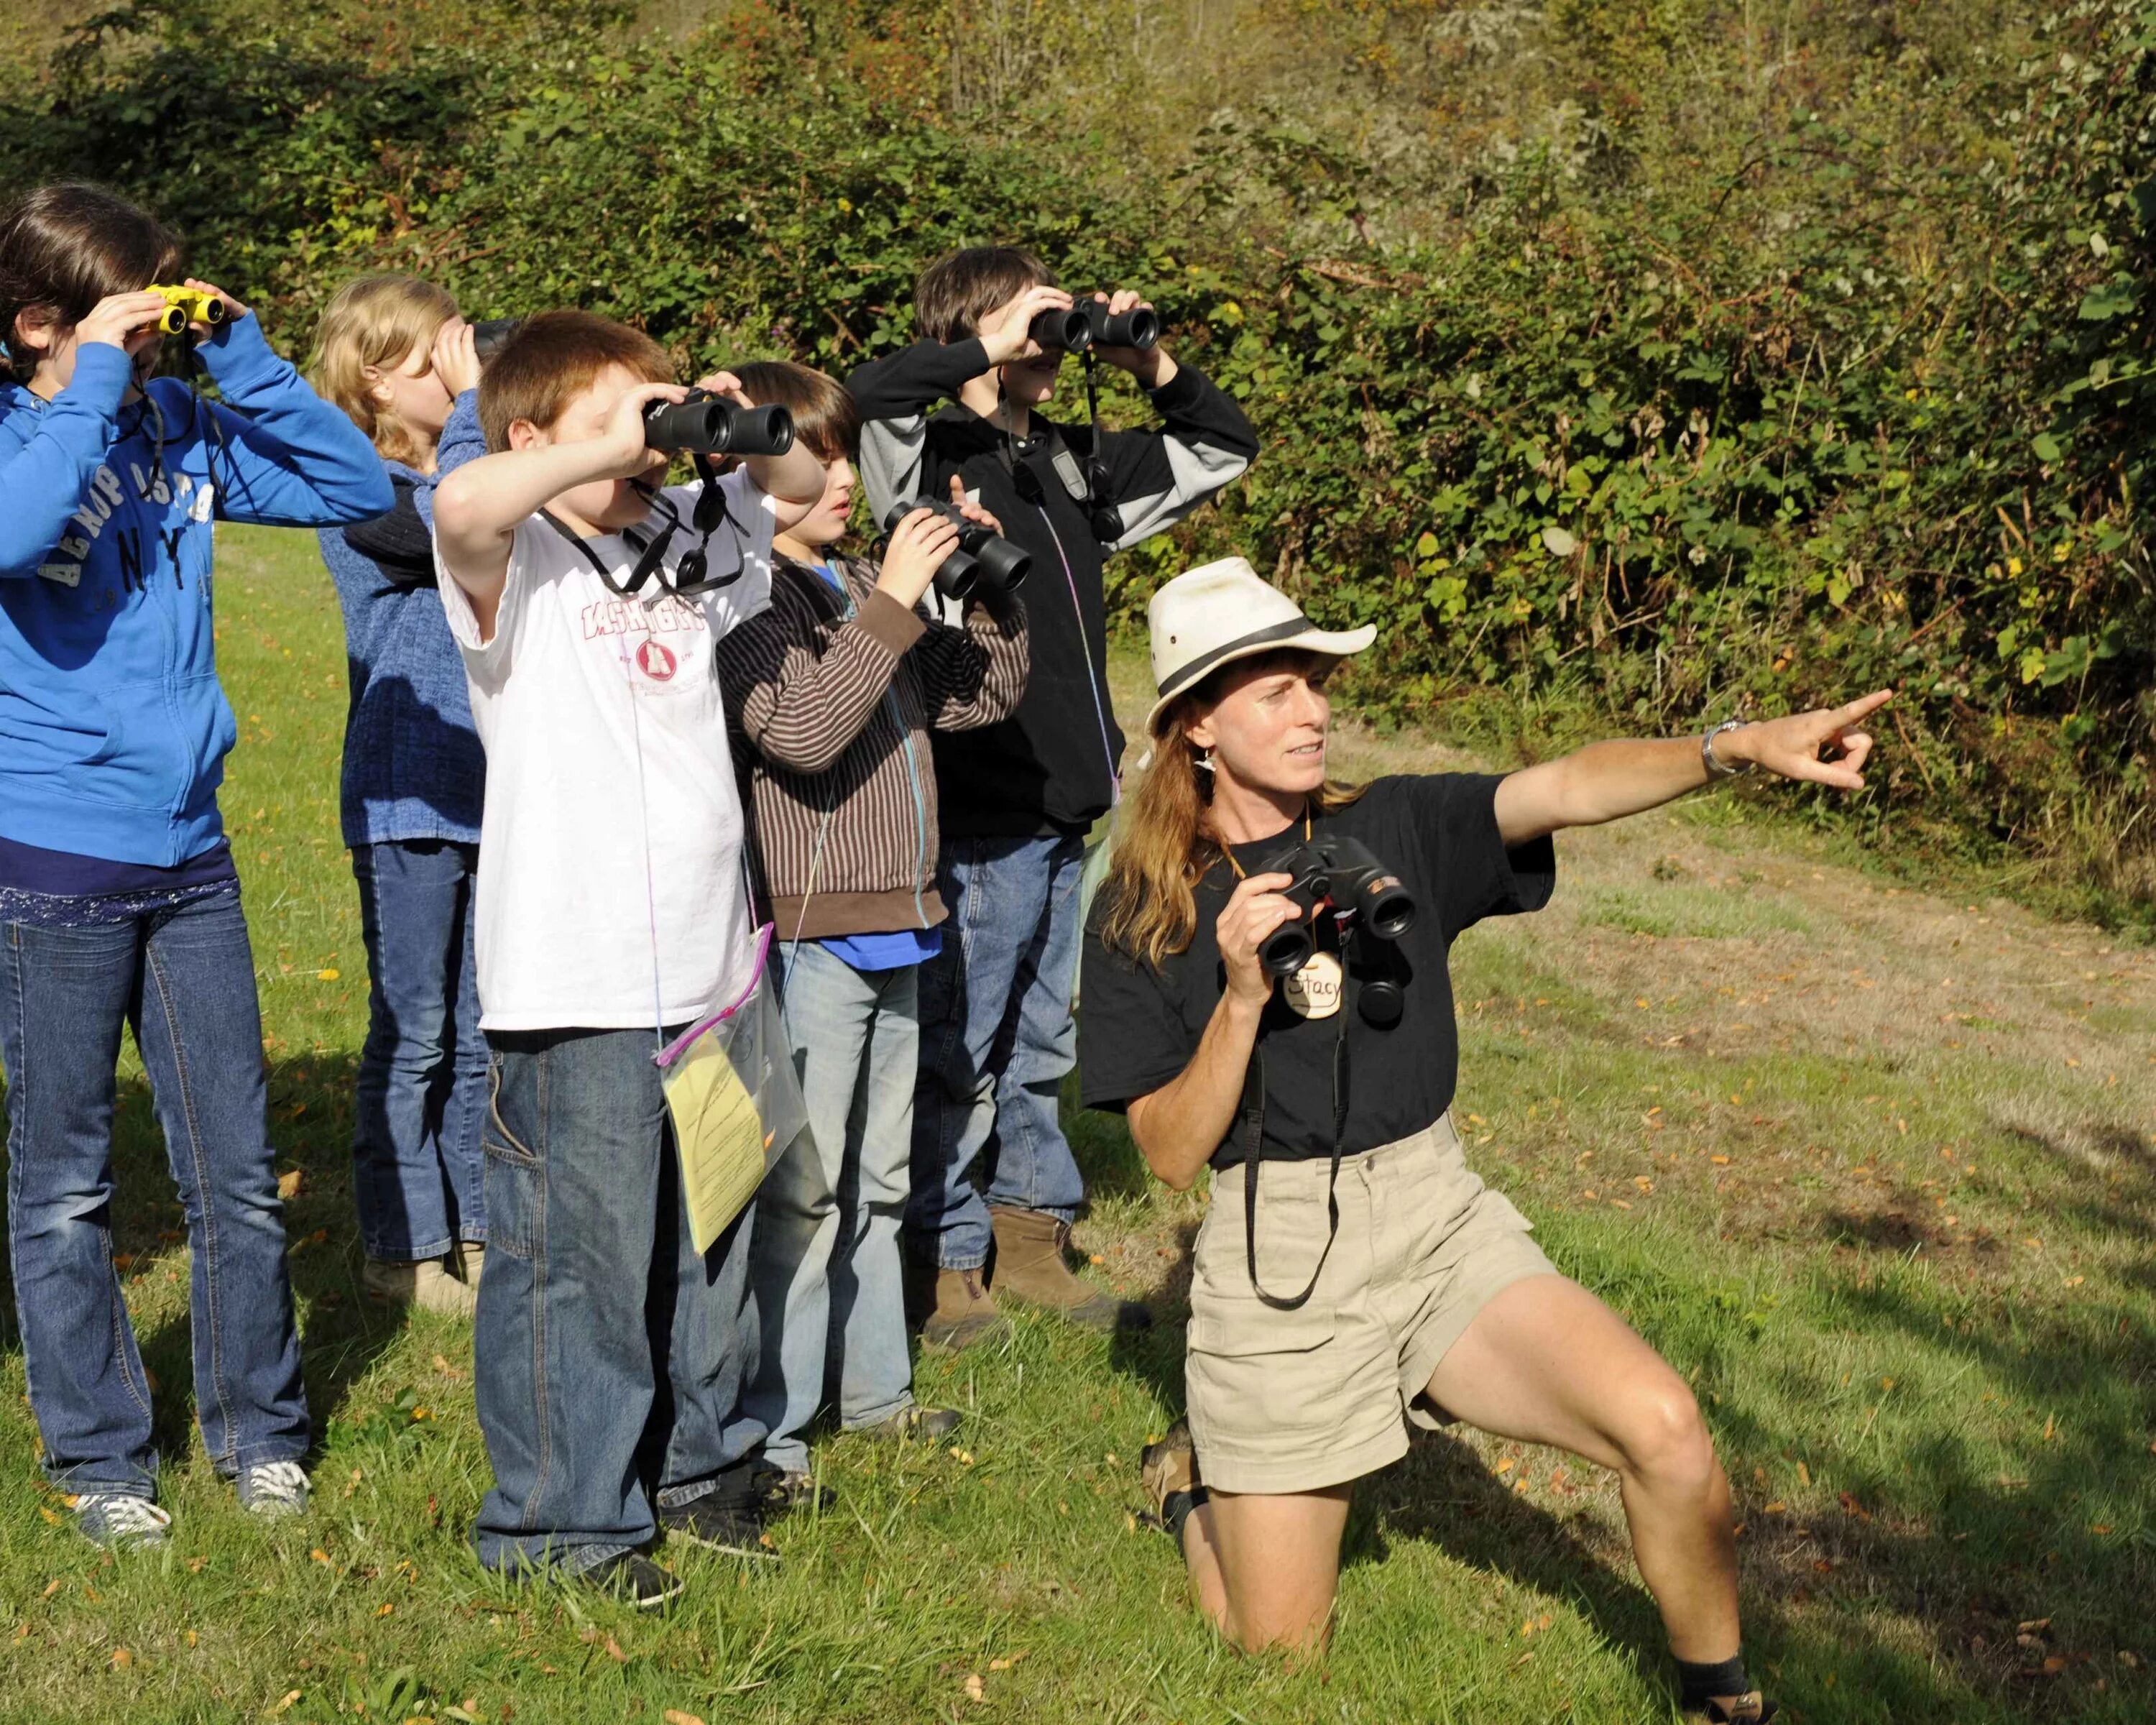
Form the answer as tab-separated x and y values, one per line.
997	1039
609	1355
416	1165
183	978
829	1295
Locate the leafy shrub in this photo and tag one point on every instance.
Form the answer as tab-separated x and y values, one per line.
1625	422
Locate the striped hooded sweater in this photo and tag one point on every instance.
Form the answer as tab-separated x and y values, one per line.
830	699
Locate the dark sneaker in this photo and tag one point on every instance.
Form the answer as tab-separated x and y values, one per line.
718	1521
633	1579
119	1521
1753	1709
779	1493
1031	1266
915	1425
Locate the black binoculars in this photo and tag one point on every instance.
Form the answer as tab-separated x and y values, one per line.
1337	873
489	333
1087	324
983	559
707	424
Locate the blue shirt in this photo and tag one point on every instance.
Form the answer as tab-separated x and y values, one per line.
880	951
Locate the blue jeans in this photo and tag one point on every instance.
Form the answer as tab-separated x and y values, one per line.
996	1039
826	1265
416	1166
184	979
609	1355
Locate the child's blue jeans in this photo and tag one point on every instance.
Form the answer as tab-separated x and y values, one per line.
609	1353
416	1166
184	978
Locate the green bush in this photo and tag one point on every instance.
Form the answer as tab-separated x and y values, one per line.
1613	416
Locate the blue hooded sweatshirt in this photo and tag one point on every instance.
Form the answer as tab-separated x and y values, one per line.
113	729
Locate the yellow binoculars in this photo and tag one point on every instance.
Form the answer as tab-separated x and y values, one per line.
184	305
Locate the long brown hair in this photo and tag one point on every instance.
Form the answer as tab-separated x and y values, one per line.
1165	843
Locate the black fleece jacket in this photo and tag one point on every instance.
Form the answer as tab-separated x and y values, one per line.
1053	767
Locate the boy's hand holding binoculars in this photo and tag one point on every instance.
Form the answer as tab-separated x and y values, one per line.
1007	336
1150	365
621	450
727	385
920	543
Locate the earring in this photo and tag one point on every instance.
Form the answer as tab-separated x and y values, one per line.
1204	763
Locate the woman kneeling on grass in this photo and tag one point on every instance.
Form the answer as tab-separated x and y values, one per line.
1379	1284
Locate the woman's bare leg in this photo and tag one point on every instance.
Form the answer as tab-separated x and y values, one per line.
1266	1568
1547	1363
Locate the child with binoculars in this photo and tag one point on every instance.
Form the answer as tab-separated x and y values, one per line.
393	352
832	694
586	599
120	902
1019	798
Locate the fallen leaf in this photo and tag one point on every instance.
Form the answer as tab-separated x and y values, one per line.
121	1659
1777	1507
319	1555
384	1608
1803	1474
288	1183
442	1366
1507	1465
285	1700
2033	1625
975	1688
52	1587
675	1715
329	975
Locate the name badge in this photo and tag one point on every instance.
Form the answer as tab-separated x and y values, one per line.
1316	991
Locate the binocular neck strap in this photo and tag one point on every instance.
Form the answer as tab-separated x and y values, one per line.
1253	1134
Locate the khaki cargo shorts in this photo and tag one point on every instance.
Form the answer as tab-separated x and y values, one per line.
1291	1401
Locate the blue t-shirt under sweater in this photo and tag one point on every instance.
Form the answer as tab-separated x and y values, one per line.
880	951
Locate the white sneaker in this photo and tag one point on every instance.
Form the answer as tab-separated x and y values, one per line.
275	1490
119	1520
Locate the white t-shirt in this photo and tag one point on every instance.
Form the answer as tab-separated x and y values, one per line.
610	890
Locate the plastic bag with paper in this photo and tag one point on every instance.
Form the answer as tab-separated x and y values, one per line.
735	1100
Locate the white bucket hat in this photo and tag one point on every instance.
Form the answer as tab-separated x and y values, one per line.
1217	613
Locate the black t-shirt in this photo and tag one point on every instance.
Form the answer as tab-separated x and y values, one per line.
1138	1026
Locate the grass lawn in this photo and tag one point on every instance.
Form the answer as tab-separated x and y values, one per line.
1872	1167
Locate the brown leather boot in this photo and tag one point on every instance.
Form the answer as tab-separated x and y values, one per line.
965	1312
1031	1266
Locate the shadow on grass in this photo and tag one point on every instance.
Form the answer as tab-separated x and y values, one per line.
342	1333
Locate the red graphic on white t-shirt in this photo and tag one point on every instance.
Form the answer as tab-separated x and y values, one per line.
656	661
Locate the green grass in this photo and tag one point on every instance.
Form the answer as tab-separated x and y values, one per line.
1872	1167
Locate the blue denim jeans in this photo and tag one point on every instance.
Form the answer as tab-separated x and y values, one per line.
183	978
997	1039
609	1353
416	1166
829	1284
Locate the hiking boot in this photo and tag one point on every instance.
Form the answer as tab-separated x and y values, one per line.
781	1492
633	1579
1168	1471
965	1312
1031	1266
275	1490
915	1424
427	1284
719	1521
119	1521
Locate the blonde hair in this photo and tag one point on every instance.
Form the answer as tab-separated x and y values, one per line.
378	322
1165	843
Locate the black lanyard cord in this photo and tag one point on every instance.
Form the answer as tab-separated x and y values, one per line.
1254	1135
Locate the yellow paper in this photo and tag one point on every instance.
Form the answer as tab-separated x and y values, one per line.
720	1136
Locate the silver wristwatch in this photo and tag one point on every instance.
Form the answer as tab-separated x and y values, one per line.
1717	768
